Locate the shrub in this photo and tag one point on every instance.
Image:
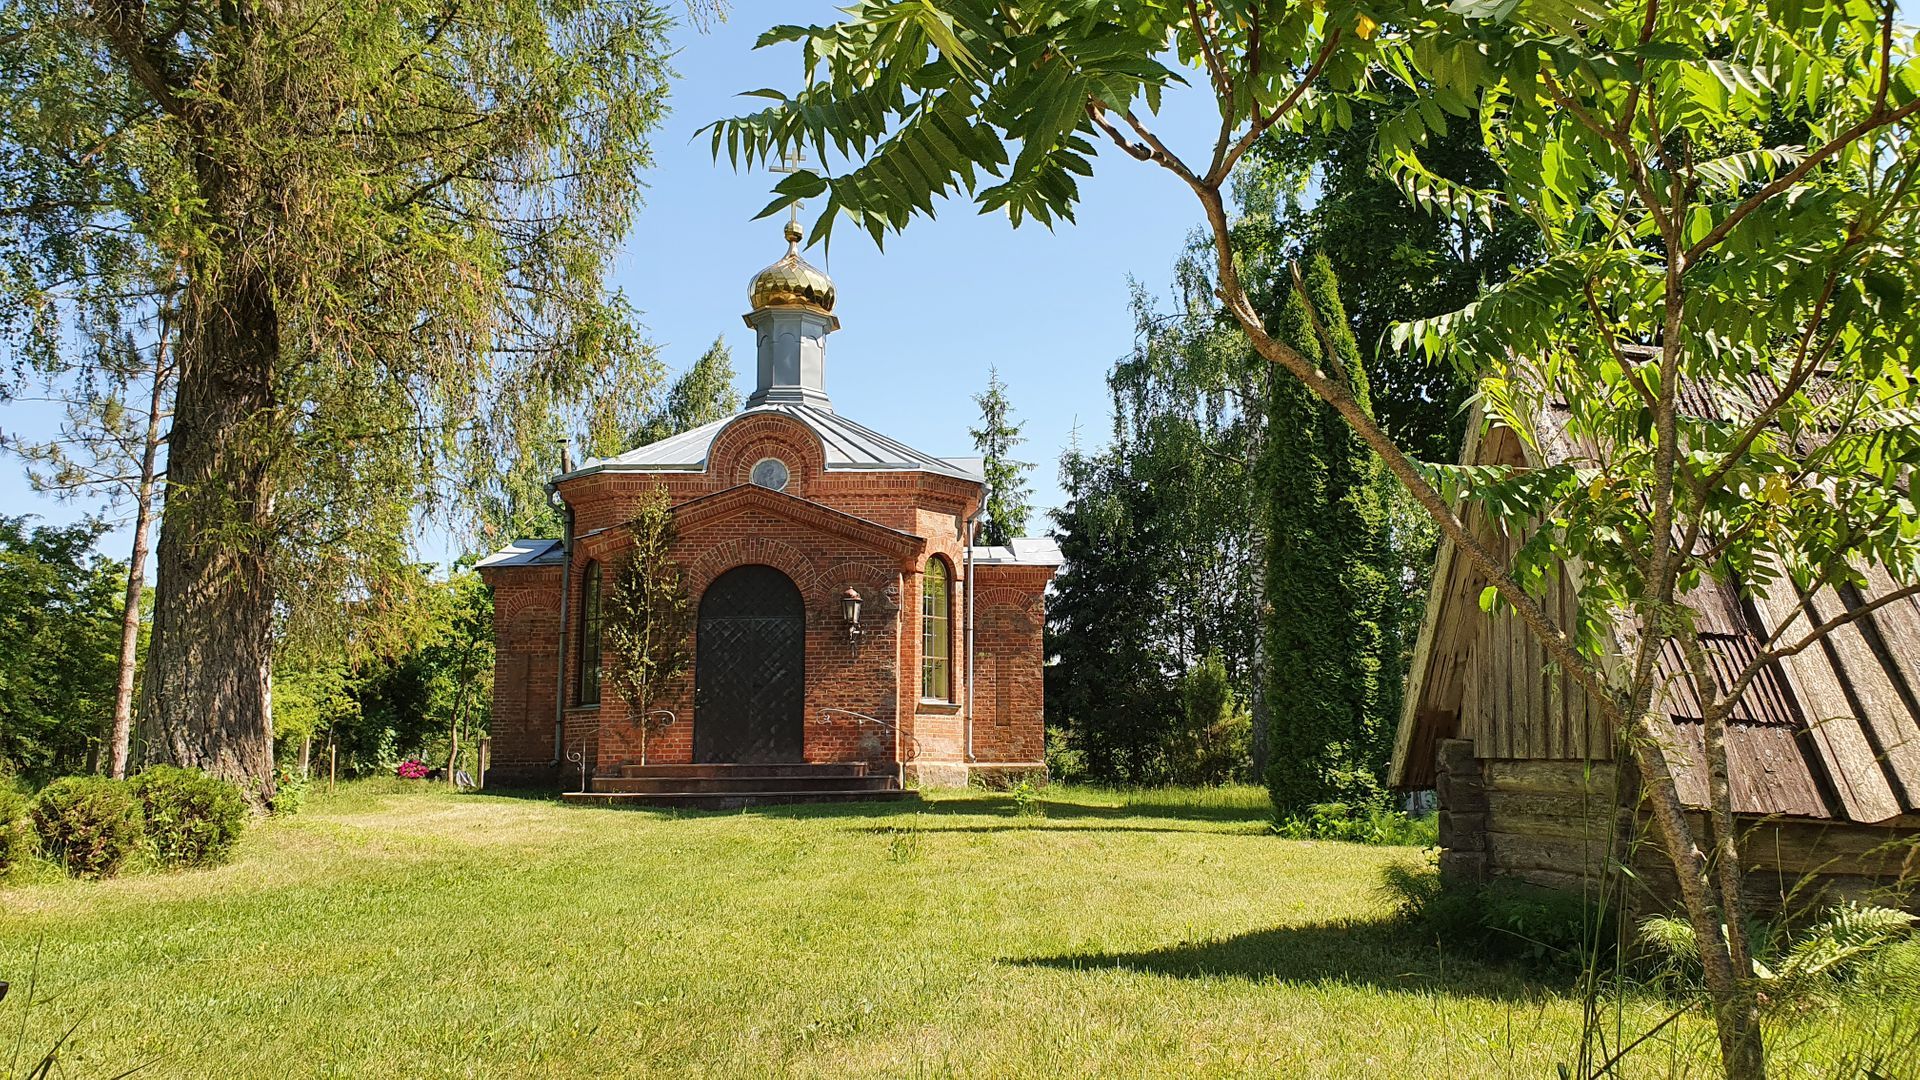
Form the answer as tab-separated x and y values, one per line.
192	818
1026	799
412	769
289	792
89	824
1214	745
1502	920
1066	763
16	832
1794	967
1365	823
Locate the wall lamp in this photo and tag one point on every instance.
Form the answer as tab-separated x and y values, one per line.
850	613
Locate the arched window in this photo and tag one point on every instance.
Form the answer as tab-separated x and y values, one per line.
589	690
936	642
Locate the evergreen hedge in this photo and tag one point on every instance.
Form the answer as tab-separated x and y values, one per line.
89	824
17	840
1328	580
192	819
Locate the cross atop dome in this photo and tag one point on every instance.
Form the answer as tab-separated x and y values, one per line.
792	315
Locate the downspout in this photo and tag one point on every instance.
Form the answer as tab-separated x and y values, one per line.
566	583
973	524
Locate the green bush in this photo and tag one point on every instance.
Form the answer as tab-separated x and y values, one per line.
89	824
1795	966
1066	764
1366	823
289	792
17	841
1503	920
192	818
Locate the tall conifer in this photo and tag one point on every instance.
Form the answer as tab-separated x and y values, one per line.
1326	586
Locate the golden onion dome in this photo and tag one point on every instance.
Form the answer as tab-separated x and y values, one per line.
791	282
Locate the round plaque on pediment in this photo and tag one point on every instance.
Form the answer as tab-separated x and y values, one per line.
771	473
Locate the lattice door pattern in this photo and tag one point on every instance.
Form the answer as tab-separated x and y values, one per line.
750	669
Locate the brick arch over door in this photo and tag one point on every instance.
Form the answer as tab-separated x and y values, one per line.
802	568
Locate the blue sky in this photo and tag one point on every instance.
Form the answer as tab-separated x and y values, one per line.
922	321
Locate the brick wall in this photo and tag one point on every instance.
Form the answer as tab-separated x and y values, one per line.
526	626
876	533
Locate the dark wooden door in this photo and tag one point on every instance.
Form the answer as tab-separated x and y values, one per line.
749	680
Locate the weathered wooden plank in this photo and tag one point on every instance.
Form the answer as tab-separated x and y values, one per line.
1487	692
1554	777
1572	742
1511	851
1518	735
1596	805
1899	627
1599	830
1878	699
1835	732
1526	693
1473	702
1852	849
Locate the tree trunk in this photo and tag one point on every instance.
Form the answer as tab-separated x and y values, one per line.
137	569
205	702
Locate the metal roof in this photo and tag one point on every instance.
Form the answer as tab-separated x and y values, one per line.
525	553
850	446
1021	551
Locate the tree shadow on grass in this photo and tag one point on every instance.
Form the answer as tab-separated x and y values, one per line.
996	805
1383	955
1203	828
978	804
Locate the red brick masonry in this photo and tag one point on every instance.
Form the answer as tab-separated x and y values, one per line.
830	530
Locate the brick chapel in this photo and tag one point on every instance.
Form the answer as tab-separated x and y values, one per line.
848	637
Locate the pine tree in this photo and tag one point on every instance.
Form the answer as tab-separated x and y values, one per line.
1007	490
1326	582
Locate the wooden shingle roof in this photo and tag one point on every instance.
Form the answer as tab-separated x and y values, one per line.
1831	732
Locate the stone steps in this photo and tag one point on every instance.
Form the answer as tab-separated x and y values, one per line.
734	786
847	769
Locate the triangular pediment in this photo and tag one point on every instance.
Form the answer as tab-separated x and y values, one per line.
710	509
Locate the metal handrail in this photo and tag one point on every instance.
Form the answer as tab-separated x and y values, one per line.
899	761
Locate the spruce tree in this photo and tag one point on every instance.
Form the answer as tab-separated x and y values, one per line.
1007	491
1326	586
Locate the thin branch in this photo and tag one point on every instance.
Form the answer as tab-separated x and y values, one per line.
1879	118
1222	166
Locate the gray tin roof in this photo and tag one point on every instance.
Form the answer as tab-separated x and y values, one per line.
850	446
1022	551
525	553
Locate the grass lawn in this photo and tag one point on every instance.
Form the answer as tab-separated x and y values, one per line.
392	931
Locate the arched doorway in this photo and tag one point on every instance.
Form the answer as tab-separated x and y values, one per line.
749	680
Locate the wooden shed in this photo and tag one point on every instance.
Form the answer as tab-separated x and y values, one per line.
1823	752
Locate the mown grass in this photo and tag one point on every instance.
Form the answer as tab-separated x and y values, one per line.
392	930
